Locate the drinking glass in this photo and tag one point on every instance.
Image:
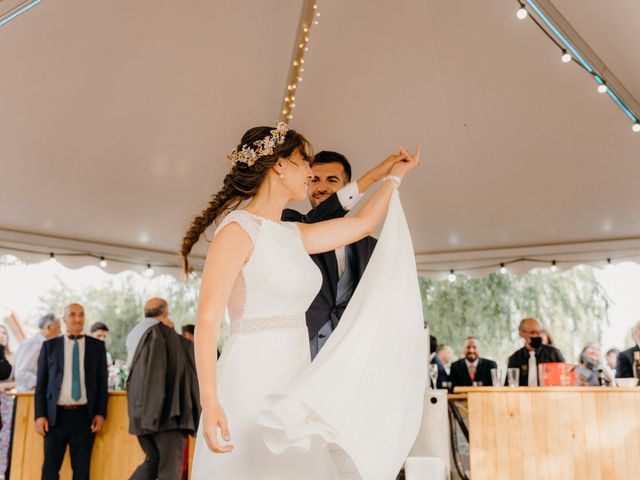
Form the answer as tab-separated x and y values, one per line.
513	377
497	376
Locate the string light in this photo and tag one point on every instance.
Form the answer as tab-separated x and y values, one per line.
503	269
103	262
554	267
452	276
149	271
522	12
569	52
10	16
295	73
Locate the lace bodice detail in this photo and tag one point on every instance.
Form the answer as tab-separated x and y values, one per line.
279	279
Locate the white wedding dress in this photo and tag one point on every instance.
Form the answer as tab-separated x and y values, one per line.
352	413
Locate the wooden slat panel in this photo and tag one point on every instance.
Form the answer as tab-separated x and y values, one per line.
115	454
564	433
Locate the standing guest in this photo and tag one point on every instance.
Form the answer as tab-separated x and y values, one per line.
163	395
435	360
533	353
472	368
27	355
6	402
151	319
100	331
71	396
445	354
611	358
624	367
188	331
332	194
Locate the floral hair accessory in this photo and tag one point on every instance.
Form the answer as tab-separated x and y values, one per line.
250	154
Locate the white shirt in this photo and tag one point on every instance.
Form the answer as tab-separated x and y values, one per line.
65	390
475	364
348	196
27	363
135	335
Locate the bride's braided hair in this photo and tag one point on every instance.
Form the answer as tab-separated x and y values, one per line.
241	183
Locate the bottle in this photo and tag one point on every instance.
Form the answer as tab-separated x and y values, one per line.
602	378
636	364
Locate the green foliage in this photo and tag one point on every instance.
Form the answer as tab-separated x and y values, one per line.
572	305
119	304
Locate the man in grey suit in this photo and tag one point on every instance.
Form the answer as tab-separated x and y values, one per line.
162	393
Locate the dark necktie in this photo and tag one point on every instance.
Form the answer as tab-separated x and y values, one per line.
75	370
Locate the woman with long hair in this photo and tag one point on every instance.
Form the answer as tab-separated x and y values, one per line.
259	269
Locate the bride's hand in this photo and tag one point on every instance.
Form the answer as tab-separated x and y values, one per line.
401	168
213	418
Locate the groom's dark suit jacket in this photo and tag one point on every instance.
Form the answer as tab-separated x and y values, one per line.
324	307
51	369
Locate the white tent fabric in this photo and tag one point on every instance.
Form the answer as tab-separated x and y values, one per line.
117	116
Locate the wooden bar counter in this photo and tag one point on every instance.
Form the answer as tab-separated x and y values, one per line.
554	432
116	453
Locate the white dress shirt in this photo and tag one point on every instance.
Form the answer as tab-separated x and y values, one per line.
65	391
348	196
27	363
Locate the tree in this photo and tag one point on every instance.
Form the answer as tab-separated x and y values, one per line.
119	304
572	305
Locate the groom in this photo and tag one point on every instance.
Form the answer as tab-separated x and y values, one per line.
332	194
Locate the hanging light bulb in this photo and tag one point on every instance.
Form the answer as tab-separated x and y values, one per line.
554	267
452	276
602	88
566	57
149	271
103	263
522	13
503	269
636	127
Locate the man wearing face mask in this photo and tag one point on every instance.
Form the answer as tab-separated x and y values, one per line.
533	353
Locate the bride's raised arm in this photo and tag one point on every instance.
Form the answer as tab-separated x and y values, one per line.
331	234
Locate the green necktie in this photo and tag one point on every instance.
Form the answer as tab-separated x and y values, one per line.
75	371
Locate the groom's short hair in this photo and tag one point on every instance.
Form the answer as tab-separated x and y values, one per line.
333	157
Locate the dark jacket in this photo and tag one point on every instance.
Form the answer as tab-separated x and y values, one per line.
520	359
459	374
442	372
162	388
5	366
624	367
51	370
325	307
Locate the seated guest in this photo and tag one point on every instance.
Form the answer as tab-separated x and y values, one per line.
588	370
188	331
611	358
27	354
624	368
533	353
71	396
471	368
100	331
445	354
442	373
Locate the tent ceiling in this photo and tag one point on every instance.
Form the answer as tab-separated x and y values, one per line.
117	117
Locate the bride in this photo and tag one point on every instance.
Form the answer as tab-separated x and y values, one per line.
278	416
